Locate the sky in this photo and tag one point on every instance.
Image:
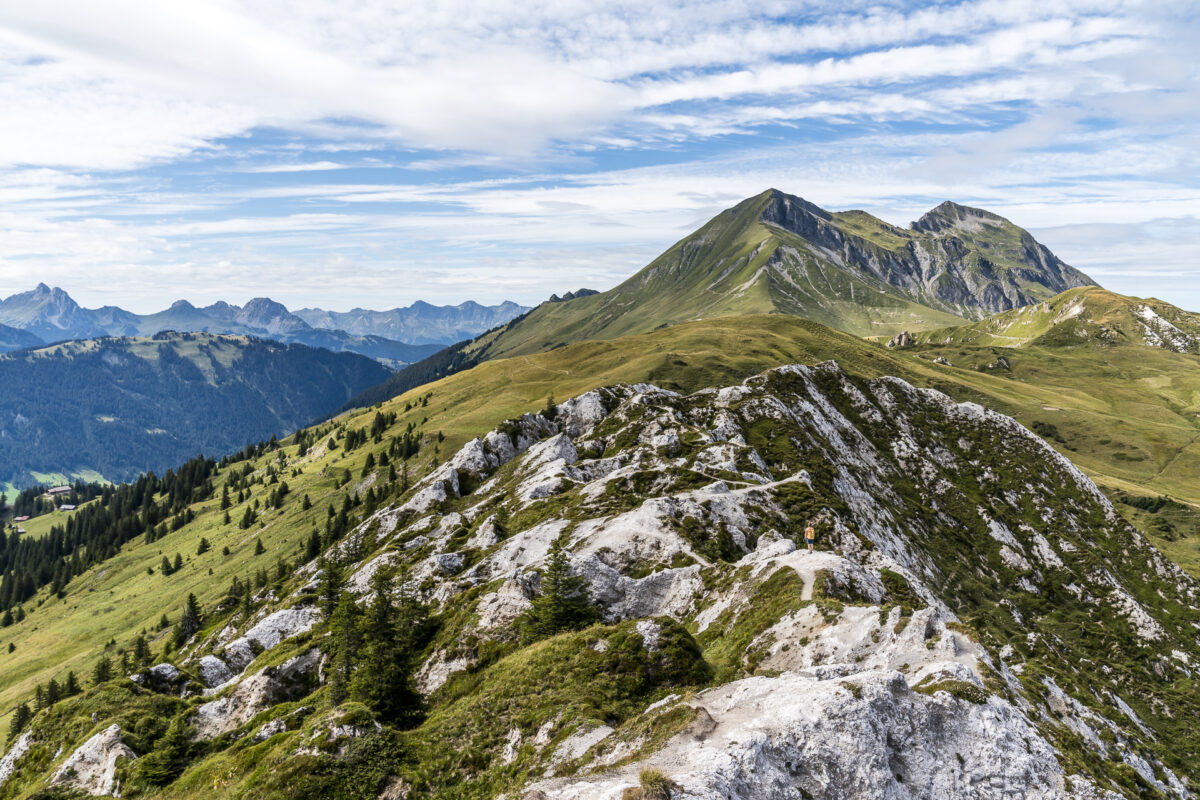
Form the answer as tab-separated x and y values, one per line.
365	153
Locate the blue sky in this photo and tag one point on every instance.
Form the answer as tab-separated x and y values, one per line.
376	153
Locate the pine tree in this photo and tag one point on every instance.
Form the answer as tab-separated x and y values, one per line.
228	519
21	717
563	604
178	565
258	547
225	550
343	643
163	622
329	589
71	686
7	619
165	569
203	547
225	501
102	671
141	652
53	692
189	621
313	548
305	503
168	758
393	634
39	697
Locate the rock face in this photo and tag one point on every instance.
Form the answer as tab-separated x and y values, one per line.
690	507
93	767
267	687
902	339
17	751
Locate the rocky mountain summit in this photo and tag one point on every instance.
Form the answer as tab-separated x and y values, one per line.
976	620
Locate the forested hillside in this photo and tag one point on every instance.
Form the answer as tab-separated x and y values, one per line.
117	407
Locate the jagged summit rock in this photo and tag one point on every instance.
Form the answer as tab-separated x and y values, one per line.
902	339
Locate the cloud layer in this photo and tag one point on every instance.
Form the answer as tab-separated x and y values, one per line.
374	153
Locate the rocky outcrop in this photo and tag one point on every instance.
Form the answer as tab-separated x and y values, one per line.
902	339
93	767
16	751
267	687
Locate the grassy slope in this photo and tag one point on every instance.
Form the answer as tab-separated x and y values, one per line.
1142	401
1074	316
719	271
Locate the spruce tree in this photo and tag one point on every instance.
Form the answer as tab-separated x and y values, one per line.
53	692
178	565
329	589
258	547
225	501
313	548
228	519
168	758
21	717
384	678
203	547
71	686
102	671
189	621
343	646
141	652
563	604
165	569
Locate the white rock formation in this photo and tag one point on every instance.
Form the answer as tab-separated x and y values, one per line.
92	768
260	691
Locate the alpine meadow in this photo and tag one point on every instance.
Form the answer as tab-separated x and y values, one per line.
432	401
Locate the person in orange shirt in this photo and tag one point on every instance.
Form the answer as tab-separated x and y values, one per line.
810	535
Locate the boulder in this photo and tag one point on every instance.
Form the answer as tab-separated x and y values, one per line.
213	671
267	687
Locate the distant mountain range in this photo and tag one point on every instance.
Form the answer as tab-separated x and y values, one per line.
395	338
420	323
116	407
776	253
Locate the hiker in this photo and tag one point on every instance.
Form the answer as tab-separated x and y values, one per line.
810	535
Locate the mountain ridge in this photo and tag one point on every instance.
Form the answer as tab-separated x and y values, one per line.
776	253
52	315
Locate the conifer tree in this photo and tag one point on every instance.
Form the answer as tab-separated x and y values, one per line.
329	589
141	652
178	565
165	569
203	547
343	643
384	680
189	621
168	758
228	519
258	547
71	686
53	692
39	697
21	717
563	604
102	671
225	501
313	548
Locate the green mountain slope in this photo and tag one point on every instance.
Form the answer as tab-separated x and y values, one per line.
1089	315
779	254
120	406
775	253
968	585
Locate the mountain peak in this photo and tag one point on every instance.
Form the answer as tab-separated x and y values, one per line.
182	305
952	216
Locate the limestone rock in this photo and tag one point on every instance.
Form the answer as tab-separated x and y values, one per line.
93	767
267	687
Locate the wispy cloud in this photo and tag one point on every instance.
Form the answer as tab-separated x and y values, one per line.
467	150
